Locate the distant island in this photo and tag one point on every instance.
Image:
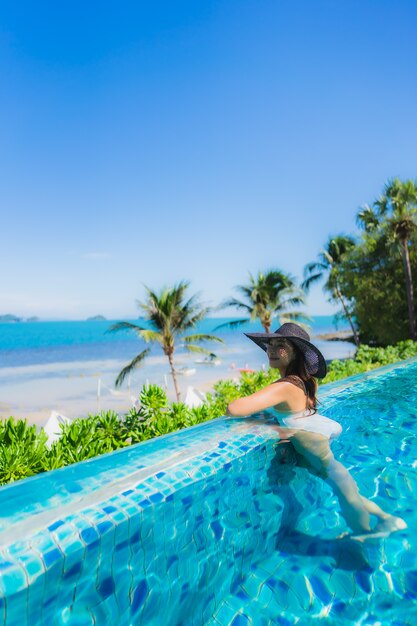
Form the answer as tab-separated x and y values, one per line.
11	319
96	318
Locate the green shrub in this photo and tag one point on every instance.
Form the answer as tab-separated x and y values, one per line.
149	420
203	413
54	458
109	430
81	440
22	450
17	431
368	358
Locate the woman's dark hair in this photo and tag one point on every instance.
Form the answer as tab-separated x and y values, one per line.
297	369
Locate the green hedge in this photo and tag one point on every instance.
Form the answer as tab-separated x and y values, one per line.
368	358
23	450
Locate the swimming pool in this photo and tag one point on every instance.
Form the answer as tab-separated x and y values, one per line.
208	526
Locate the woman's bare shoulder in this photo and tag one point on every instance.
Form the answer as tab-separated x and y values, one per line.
292	397
294	380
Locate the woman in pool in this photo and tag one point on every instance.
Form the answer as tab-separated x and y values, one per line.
293	400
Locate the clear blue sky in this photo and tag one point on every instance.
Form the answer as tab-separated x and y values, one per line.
149	142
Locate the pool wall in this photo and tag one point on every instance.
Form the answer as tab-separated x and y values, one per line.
165	540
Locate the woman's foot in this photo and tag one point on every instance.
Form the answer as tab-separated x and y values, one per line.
390	525
384	528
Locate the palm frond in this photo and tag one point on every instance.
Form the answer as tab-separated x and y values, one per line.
290	301
367	219
151	335
293	317
311	280
136	362
327	256
314	267
202	337
232	325
233	302
245	290
118	326
196	317
297	315
199	350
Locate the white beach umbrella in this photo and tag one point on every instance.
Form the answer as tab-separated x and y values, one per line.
53	426
194	397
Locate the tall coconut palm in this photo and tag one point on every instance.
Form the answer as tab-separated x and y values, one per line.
267	296
171	314
328	266
396	211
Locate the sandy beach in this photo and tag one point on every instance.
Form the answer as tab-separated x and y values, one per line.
85	388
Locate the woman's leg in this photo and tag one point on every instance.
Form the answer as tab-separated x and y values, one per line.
356	509
316	450
374	509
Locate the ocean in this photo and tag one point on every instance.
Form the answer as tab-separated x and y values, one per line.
71	366
32	343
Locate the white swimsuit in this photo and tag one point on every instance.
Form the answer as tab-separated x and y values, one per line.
309	420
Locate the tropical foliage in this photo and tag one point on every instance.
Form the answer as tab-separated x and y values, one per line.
372	276
368	358
170	314
376	276
394	219
267	296
328	266
21	450
373	279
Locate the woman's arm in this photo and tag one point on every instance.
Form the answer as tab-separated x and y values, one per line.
258	401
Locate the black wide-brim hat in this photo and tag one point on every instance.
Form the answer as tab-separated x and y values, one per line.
314	360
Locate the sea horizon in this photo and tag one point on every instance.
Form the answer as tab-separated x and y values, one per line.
36	318
30	343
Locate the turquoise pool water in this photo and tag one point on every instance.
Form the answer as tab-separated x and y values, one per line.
210	526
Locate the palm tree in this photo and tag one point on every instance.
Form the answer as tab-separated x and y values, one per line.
396	213
170	314
328	264
267	295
